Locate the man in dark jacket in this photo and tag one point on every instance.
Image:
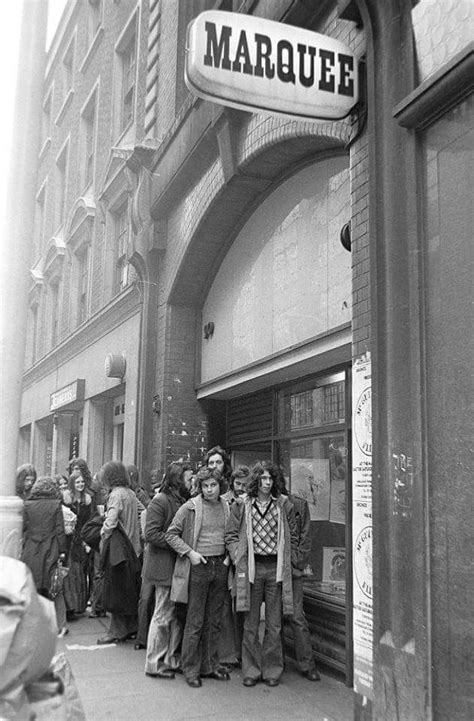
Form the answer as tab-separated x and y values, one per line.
298	622
164	634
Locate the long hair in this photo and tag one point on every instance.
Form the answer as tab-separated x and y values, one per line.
25	470
173	480
70	495
84	469
239	472
257	470
225	457
114	474
204	474
45	487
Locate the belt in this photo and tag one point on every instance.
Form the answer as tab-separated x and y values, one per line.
271	558
222	555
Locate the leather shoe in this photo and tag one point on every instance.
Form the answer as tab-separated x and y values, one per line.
165	673
312	675
109	639
217	674
139	646
194	682
272	681
248	681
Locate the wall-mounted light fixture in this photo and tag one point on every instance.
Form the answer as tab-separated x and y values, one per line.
115	365
208	330
345	236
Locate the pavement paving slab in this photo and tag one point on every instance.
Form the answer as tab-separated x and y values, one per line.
113	687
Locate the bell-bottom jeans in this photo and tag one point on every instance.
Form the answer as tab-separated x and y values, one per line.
300	629
263	660
207	588
164	633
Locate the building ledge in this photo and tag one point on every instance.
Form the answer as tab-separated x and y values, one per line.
62	111
120	309
438	93
97	39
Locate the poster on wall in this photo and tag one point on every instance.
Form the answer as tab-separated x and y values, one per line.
334	565
310	480
338	502
362	526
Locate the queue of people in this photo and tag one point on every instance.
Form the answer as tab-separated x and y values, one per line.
183	571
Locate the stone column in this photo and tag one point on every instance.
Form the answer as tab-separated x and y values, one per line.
14	274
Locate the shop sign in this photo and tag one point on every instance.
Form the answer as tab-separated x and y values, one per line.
70	393
259	65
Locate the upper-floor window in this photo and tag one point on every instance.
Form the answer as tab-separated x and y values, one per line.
121	229
54	309
33	336
82	270
88	139
60	189
39	219
46	117
68	68
127	52
94	18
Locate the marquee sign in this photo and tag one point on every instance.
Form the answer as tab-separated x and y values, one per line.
259	65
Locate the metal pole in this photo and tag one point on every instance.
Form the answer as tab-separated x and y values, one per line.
18	257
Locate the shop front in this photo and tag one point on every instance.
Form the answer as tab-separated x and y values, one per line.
278	368
85	406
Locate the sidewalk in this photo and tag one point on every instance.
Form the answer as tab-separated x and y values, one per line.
112	685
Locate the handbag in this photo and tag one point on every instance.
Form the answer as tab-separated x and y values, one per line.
56	582
90	532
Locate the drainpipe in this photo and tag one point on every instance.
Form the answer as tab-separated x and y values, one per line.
14	274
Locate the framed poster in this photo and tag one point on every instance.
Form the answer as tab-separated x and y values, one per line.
334	564
310	480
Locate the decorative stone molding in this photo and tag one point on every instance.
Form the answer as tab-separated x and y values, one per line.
80	223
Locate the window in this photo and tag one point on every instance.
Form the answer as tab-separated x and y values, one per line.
94	19
46	117
121	240
153	66
82	284
68	69
54	305
118	427
61	176
304	428
88	134
34	334
126	49
39	220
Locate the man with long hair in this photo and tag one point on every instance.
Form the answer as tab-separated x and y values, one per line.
218	459
200	576
164	633
261	539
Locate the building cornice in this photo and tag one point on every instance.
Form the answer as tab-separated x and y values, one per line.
121	309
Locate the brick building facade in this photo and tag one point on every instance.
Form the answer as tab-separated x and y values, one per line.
243	320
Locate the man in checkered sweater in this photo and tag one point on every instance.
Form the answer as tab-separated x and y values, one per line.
261	537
